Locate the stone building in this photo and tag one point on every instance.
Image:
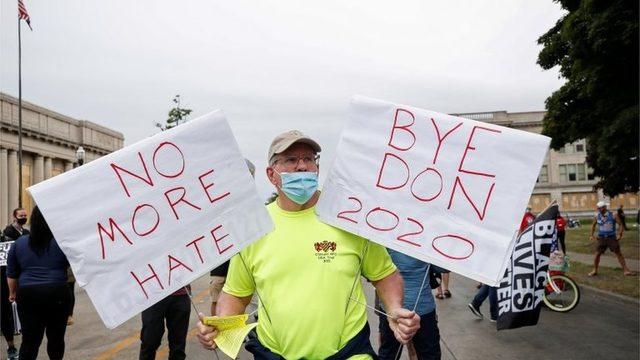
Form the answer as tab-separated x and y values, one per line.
565	176
49	144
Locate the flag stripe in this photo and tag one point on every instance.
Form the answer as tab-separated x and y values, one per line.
23	14
22	11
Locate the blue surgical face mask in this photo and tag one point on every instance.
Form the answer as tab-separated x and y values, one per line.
299	186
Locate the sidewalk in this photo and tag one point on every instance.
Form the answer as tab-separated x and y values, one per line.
605	260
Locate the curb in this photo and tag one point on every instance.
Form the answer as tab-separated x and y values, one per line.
624	298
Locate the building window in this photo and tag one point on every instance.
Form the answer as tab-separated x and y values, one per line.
581	172
571	172
543	177
575	172
573	148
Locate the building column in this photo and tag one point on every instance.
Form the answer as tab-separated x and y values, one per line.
12	178
68	166
38	169
48	167
556	194
4	188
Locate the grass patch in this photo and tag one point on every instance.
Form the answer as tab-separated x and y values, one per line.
577	240
608	279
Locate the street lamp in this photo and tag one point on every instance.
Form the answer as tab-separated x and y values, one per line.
80	155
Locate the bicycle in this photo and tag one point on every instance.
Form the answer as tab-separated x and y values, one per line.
561	293
573	223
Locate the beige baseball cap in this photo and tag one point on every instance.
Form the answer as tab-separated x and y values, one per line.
283	141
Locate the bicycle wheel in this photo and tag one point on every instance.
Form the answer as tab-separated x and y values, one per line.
568	297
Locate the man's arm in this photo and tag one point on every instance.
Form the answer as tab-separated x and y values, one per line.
227	305
231	305
593	228
403	322
390	290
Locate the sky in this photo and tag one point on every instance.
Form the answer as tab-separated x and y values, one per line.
273	66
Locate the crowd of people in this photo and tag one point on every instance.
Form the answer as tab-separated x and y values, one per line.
301	297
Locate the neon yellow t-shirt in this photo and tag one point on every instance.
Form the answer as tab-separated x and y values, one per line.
304	271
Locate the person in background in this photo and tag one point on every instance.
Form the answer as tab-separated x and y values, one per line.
561	224
443	289
218	278
37	279
482	294
175	309
607	238
10	233
527	219
417	294
17	227
6	313
219	274
485	291
622	217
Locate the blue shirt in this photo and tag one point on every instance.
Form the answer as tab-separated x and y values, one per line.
413	273
30	269
606	224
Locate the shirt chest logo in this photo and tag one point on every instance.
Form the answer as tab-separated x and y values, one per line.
325	251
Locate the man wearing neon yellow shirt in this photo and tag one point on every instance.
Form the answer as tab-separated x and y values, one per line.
307	273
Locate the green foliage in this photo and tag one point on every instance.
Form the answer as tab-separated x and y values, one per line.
177	115
596	46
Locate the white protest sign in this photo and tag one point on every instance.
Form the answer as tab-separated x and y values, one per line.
443	189
140	223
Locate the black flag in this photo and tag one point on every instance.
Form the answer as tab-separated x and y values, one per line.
521	290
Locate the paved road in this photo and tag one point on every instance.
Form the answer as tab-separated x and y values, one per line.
601	327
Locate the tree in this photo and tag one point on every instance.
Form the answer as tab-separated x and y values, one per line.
176	115
596	46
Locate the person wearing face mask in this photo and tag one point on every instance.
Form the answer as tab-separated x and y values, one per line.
306	272
12	232
17	227
37	279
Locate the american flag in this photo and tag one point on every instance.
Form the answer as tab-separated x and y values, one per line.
23	14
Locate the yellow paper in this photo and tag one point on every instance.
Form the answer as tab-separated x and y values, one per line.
231	332
230	341
223	323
